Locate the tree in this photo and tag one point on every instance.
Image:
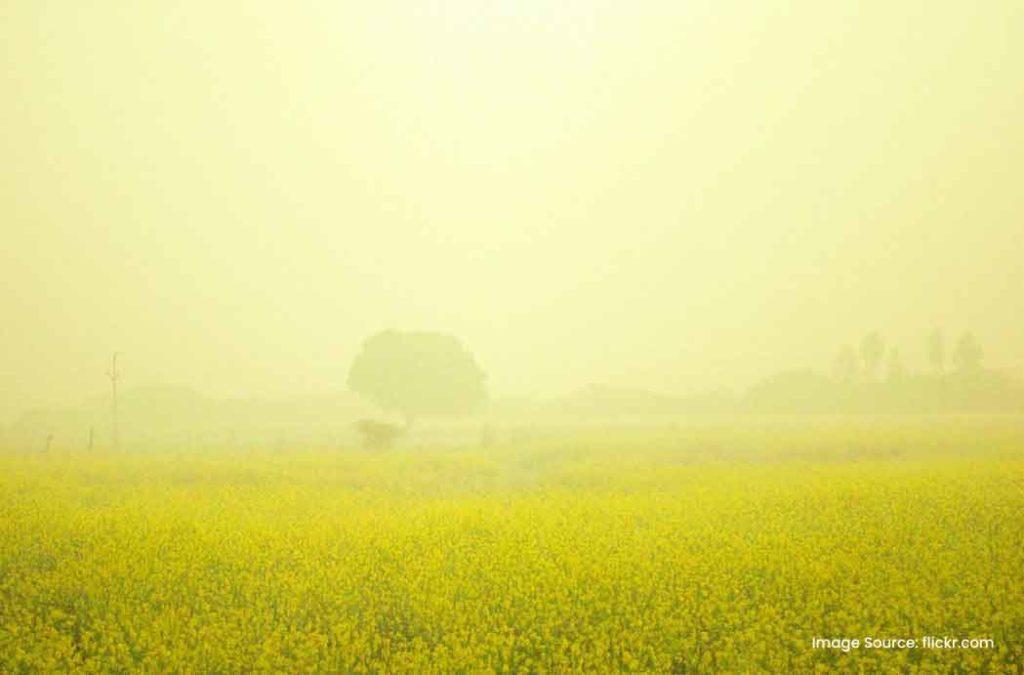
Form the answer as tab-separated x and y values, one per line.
872	349
895	369
937	351
967	357
417	373
845	367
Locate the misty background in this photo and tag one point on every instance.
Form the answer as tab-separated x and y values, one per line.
670	197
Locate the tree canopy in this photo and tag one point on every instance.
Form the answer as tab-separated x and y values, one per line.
417	373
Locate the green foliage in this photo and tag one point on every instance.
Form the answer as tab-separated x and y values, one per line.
937	351
967	356
378	435
418	373
872	349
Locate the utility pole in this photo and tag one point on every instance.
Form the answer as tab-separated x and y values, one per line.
114	376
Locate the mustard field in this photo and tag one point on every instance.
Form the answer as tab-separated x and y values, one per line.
670	547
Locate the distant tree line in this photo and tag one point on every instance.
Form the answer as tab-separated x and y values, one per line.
872	377
866	363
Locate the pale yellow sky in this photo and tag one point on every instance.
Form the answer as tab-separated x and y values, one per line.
679	195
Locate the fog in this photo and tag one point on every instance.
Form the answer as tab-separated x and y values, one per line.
679	197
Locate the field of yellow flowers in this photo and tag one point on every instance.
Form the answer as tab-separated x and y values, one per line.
677	548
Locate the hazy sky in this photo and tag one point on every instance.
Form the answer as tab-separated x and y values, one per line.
679	195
